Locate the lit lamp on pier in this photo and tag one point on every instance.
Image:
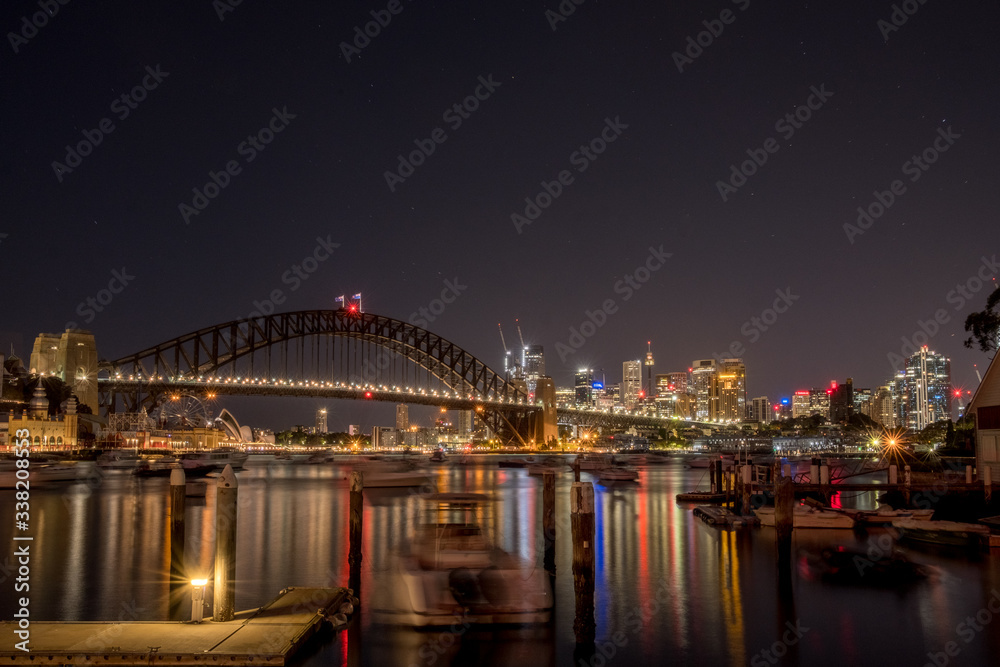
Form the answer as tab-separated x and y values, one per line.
198	599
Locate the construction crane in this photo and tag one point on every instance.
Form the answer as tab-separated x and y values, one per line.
506	353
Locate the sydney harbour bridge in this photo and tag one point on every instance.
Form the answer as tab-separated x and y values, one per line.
344	354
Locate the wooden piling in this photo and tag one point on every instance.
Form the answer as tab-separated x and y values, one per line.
988	481
784	507
576	469
968	474
738	489
582	517
907	480
226	497
893	474
747	488
357	505
814	471
717	477
178	486
549	520
178	570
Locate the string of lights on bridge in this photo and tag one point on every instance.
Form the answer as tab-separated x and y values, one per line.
394	391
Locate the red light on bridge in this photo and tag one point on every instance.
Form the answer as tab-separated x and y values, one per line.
368	394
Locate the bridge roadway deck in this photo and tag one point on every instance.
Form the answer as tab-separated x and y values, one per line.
270	635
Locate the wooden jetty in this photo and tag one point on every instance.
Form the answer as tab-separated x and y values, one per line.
270	635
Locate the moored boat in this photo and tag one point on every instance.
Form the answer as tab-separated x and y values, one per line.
617	475
453	574
215	459
942	533
118	459
886	515
808	517
44	473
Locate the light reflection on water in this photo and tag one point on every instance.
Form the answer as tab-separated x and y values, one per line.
670	589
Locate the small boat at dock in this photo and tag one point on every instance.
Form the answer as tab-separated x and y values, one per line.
808	517
943	533
886	515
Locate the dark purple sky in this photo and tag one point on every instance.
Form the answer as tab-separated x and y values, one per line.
609	67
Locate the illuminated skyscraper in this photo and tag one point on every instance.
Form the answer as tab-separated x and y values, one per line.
321	426
533	362
732	391
927	389
402	417
650	388
704	384
761	411
584	388
631	383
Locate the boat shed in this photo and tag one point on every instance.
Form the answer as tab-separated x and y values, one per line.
985	405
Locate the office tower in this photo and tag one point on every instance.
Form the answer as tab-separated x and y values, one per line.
761	411
863	402
650	389
631	384
704	385
533	362
731	388
402	417
466	422
841	401
321	426
927	385
584	388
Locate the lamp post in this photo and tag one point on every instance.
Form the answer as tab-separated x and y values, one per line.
198	599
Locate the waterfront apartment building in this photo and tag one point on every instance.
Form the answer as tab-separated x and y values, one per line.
402	417
321	422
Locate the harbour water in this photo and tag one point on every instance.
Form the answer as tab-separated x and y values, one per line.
669	589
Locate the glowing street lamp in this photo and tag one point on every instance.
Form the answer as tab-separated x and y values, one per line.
198	599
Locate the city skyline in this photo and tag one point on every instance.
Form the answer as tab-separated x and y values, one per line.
763	201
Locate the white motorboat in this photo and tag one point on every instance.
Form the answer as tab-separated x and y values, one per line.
452	574
214	459
593	462
808	517
42	473
700	462
382	473
617	474
118	459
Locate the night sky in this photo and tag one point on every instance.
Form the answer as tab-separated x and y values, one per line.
216	75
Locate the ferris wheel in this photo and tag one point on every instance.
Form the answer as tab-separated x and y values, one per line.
183	410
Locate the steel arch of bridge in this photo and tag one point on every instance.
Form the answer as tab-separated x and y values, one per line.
210	350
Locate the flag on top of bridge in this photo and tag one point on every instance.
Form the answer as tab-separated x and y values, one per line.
357	296
339	299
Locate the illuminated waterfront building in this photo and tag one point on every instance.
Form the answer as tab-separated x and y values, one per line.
72	357
321	423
